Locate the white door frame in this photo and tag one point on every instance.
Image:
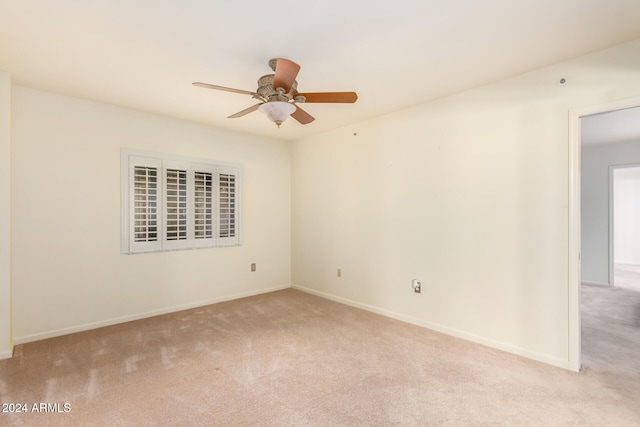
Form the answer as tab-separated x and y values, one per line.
575	116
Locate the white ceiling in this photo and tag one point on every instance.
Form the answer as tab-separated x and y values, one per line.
145	54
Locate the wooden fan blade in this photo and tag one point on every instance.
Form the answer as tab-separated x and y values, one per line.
302	116
245	111
285	75
226	89
337	97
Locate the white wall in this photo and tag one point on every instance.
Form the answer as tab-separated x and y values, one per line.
626	195
6	344
68	272
596	161
468	194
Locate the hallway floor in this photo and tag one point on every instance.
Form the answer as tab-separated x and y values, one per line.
627	276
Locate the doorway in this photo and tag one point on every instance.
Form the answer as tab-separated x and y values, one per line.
624	246
575	251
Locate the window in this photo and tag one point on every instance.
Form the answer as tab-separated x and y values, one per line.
171	203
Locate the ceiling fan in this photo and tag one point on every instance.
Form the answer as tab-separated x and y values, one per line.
279	96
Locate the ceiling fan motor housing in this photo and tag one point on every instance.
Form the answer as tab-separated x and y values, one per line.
267	93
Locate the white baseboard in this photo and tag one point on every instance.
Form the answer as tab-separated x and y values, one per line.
550	360
94	325
587	282
7	353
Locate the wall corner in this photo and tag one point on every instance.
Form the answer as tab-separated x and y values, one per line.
6	339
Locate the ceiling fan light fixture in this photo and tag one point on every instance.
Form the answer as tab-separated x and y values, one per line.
277	111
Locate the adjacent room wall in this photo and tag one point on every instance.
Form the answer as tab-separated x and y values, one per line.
6	344
68	272
626	204
596	161
468	194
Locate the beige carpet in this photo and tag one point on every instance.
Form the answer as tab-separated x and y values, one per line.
292	359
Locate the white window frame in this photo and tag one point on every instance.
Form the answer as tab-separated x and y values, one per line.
130	159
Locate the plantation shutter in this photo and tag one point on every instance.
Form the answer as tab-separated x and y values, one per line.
228	213
176	205
176	209
203	199
203	205
144	199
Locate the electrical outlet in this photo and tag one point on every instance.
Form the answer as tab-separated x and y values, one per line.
253	266
416	286
339	272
